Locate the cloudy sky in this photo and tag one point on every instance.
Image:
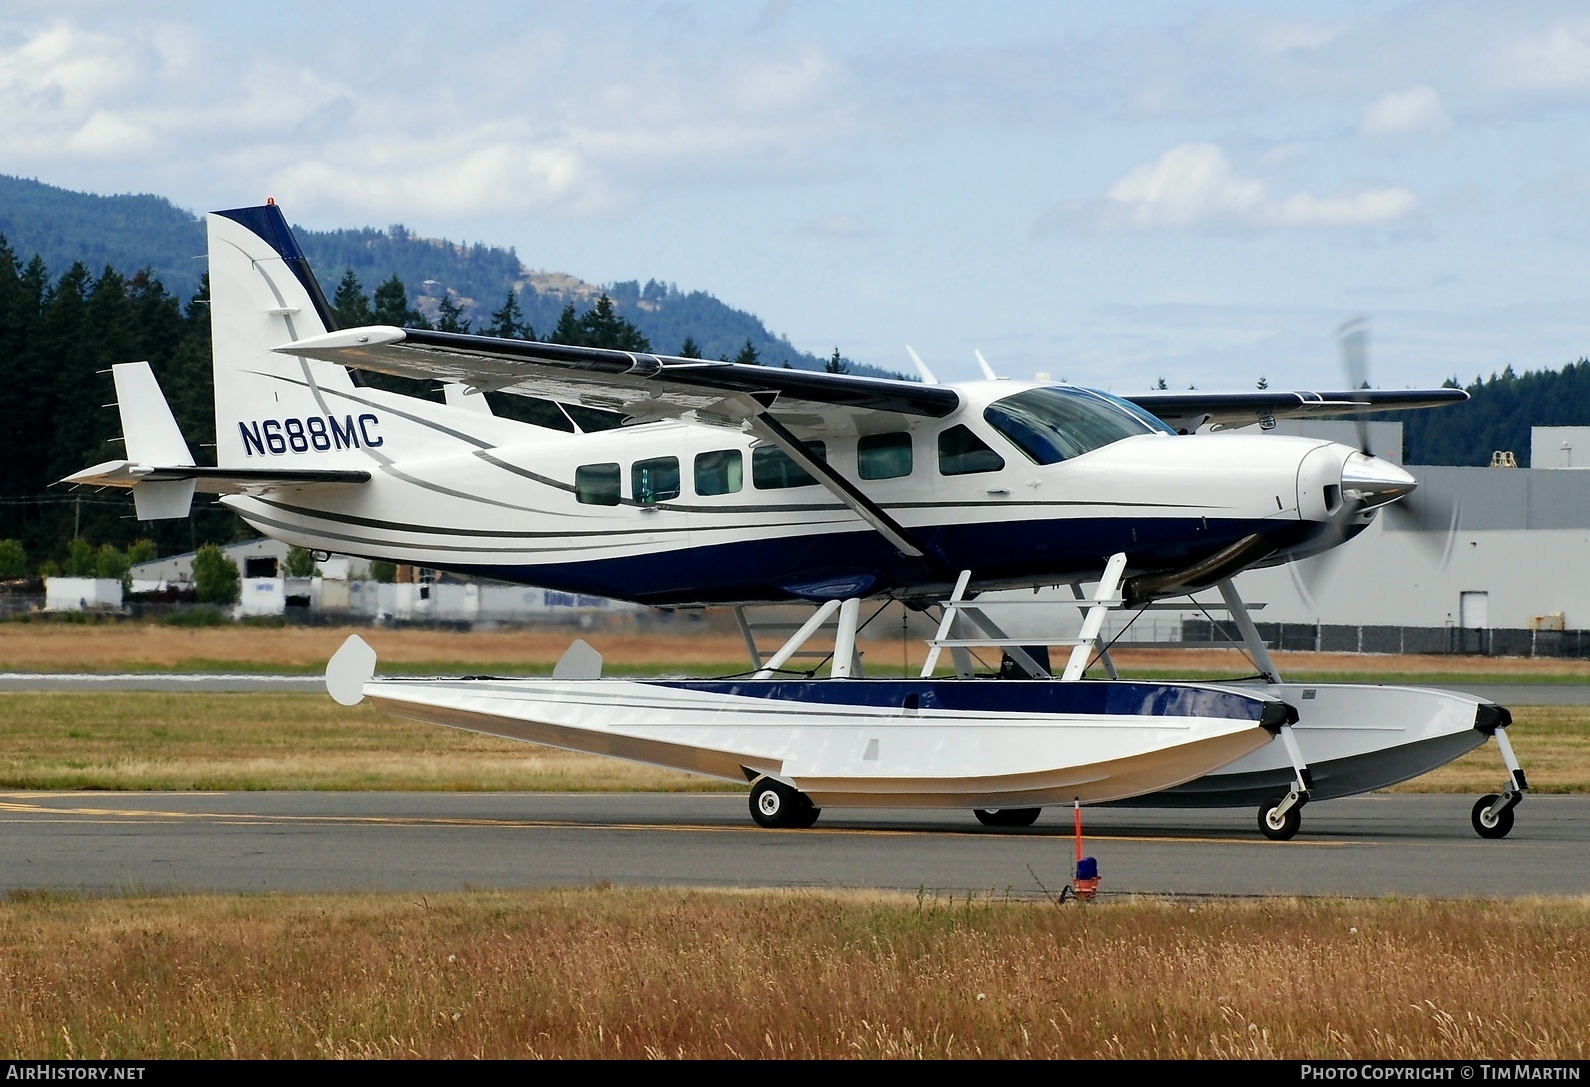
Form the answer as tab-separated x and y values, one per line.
1107	193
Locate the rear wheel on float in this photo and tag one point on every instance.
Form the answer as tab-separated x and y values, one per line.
775	805
1007	817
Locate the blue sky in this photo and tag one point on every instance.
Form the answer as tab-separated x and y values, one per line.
1105	193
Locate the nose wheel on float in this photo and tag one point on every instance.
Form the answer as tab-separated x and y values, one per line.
1492	815
777	806
1281	818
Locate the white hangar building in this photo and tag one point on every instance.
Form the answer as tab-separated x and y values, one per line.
1512	578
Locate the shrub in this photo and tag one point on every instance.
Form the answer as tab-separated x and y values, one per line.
300	562
13	559
111	562
215	577
80	558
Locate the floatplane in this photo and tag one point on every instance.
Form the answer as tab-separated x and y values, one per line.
678	482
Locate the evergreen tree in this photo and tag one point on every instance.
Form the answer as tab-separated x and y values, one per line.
450	316
603	327
508	322
350	305
748	355
568	330
689	349
392	306
1160	384
836	364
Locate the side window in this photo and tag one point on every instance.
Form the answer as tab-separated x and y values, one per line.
655	480
884	456
771	467
961	453
720	472
597	484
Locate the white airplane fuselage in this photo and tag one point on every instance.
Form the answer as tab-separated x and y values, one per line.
461	490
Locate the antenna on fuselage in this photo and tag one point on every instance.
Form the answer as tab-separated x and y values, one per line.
921	367
988	371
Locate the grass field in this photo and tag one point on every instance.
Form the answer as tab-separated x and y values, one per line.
601	972
157	740
684	647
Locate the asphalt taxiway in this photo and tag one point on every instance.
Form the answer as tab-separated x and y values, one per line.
1372	845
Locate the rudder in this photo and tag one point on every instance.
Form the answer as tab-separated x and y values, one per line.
271	407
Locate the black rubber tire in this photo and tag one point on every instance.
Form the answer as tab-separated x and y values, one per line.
1498	829
775	805
1286	828
1007	817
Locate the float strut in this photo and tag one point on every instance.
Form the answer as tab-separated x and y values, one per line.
798	639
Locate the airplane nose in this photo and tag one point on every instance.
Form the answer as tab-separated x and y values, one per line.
1371	482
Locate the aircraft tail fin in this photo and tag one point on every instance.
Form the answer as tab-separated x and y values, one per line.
272	408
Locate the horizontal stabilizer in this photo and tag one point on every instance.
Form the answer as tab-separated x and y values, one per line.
126	473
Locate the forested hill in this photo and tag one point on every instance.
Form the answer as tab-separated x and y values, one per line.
1498	416
130	233
124	232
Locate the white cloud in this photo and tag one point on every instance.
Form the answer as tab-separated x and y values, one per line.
542	117
1194	187
1291	36
837	226
1553	60
1415	112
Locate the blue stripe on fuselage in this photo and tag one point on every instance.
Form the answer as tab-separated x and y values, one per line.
997	552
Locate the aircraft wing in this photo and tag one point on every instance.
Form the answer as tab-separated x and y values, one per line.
1187	411
640	385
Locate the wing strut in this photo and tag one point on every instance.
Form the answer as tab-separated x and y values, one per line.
765	426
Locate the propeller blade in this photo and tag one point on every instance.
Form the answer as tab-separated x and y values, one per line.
1312	574
1353	339
1433	517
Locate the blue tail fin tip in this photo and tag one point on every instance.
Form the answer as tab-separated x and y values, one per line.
268	222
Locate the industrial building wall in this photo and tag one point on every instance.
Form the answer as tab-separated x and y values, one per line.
1522	540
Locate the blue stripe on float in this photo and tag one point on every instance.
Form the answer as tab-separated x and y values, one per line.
1116	698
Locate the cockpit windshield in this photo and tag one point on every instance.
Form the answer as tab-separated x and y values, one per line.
1052	424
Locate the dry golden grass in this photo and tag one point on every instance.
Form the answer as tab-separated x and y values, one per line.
680	973
110	647
189	740
1553	747
688	646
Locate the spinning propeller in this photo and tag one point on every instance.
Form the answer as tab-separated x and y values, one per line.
1433	518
